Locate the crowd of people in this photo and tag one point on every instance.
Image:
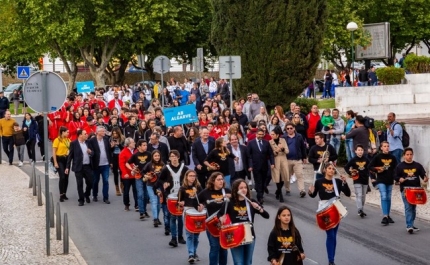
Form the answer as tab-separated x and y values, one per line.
231	146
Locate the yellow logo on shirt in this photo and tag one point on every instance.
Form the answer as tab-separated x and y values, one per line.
387	163
191	193
410	172
328	187
285	241
240	210
142	159
320	153
360	165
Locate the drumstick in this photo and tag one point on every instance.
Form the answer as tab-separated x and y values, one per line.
246	198
281	258
197	197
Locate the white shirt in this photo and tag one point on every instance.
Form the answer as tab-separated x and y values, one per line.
84	148
239	164
335	80
213	87
103	156
189	86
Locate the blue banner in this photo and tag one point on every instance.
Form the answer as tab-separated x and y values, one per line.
180	115
85	87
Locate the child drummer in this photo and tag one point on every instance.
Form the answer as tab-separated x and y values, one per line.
408	173
188	199
327	188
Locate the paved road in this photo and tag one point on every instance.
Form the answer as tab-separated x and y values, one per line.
105	234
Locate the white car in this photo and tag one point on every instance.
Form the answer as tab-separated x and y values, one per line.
8	91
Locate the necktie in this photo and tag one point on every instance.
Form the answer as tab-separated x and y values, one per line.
259	144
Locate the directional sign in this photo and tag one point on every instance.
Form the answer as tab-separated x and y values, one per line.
23	72
230	67
36	92
161	64
85	87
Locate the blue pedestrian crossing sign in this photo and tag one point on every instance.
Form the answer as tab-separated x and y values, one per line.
23	72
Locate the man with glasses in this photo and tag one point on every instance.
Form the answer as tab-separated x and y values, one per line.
296	158
247	104
259	151
155	144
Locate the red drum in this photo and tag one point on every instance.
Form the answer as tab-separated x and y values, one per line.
213	224
415	195
195	220
172	205
235	235
330	213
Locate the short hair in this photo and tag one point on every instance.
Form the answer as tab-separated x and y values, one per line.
261	130
359	146
157	135
176	128
174	152
127	141
320	135
253	124
140	142
79	131
99	128
408	149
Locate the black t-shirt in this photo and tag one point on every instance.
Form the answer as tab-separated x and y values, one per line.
317	151
325	189
212	199
360	164
411	172
188	195
140	159
222	159
389	163
284	244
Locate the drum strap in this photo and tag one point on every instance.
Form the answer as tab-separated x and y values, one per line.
248	210
176	177
336	191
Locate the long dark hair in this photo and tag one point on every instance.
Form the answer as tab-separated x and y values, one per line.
291	226
155	163
235	189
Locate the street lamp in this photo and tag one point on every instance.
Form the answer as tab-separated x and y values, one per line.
352	26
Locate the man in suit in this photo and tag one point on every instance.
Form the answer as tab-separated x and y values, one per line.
239	168
259	151
101	162
81	156
155	144
200	149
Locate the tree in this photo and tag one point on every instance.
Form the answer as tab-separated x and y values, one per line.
279	41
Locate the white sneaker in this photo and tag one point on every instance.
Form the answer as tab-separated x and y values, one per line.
20	164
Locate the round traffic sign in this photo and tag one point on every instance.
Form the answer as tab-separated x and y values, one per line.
53	91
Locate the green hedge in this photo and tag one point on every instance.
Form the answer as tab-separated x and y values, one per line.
390	75
305	104
417	64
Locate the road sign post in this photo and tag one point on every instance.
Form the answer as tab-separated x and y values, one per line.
230	68
45	92
161	65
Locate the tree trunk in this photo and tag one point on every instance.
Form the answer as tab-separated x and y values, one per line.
99	76
72	79
120	77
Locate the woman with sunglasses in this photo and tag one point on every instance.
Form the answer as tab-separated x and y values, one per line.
327	188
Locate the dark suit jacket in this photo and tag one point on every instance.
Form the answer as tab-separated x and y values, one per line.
164	150
246	160
259	158
95	155
199	155
75	154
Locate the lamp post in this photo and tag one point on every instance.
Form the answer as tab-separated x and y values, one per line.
352	26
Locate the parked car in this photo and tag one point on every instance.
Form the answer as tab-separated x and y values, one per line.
133	69
8	91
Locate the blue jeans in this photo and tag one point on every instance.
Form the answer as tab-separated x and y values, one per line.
330	243
104	171
217	255
327	88
410	211
227	181
141	190
335	142
166	216
192	242
333	90
242	255
398	154
385	191
176	230
363	83
155	202
349	147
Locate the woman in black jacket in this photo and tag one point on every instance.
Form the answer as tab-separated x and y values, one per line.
30	128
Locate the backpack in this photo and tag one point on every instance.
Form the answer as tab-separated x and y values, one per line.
405	136
369	123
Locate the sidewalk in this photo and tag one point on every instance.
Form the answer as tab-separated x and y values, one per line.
22	225
373	198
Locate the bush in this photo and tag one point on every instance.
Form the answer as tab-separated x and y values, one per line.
305	104
417	64
390	75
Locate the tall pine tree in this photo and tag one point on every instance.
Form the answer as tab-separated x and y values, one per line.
279	42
